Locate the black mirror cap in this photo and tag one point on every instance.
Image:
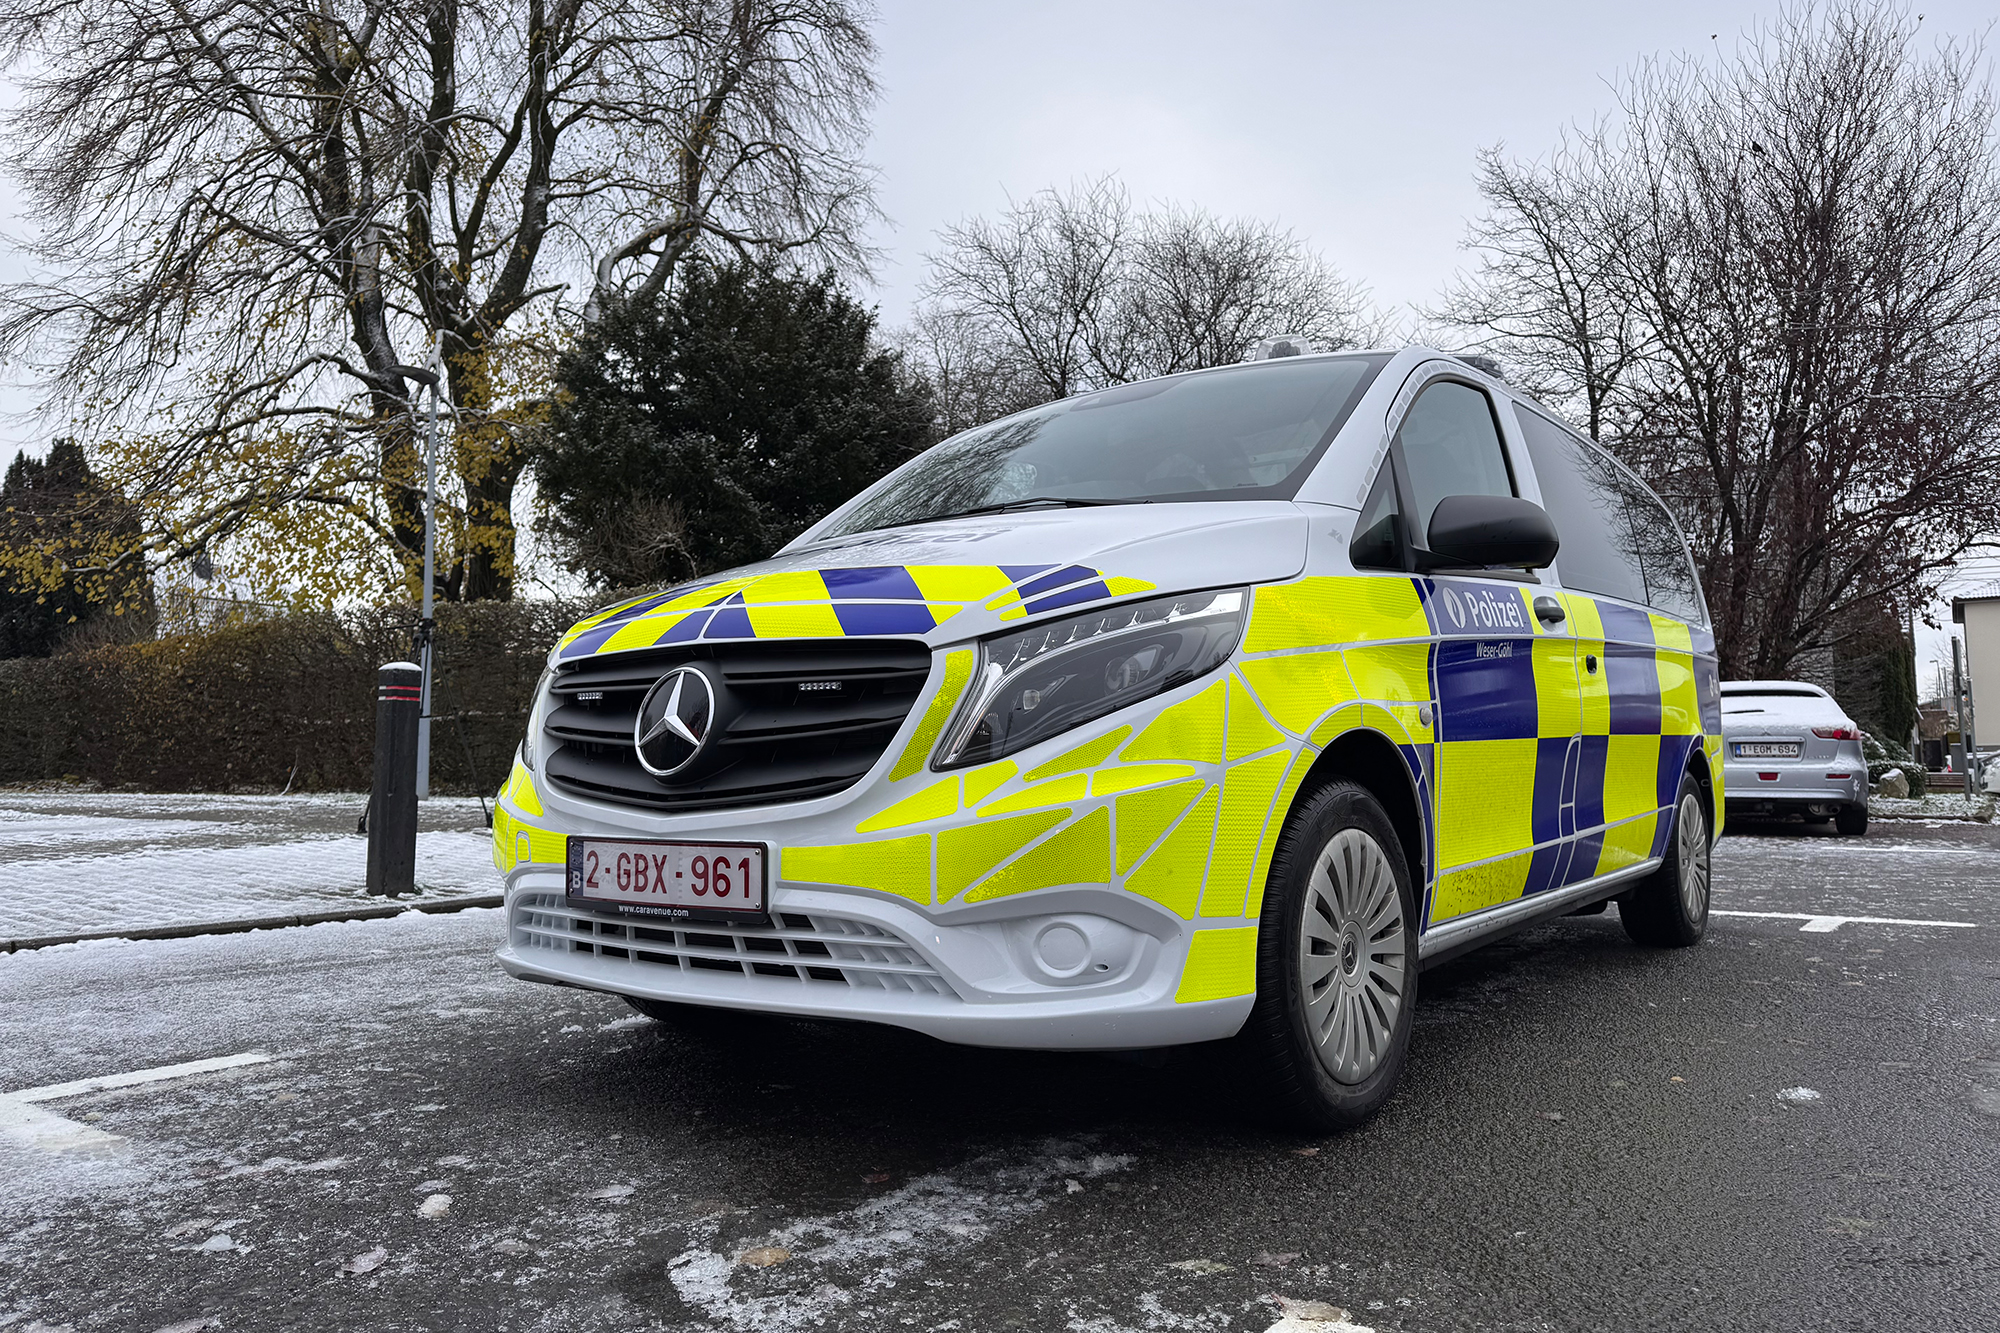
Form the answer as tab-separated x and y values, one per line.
1472	531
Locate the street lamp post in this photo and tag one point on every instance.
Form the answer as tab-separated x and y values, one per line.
427	621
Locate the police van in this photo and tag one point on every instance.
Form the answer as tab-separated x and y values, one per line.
1211	706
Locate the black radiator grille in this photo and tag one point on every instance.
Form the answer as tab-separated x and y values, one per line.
811	718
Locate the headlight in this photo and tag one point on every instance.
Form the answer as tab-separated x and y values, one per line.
1040	682
531	742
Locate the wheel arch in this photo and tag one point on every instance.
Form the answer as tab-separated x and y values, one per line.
1371	760
1699	769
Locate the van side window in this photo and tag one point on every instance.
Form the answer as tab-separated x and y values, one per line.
1374	545
1617	540
1671	585
1451	446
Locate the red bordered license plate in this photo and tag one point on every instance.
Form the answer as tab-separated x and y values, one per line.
699	881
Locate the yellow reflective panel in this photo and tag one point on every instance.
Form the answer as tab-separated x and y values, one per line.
965	854
1107	781
1059	792
981	783
1087	755
1485	799
1680	708
1246	803
805	621
1300	687
547	848
1172	875
503	840
1671	634
1080	854
1220	964
1121	586
801	585
1317	612
1267	847
901	866
1249	730
1556	664
641	631
1631	777
1627	844
933	802
520	789
1144	816
957	583
1391	671
957	670
1475	887
1191	730
1584	622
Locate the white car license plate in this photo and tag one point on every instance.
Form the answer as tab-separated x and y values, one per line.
689	880
1767	750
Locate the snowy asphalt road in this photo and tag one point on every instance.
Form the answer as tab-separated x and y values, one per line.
1591	1137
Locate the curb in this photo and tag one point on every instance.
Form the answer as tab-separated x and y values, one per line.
243	924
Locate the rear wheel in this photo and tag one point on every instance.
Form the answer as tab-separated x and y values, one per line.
1852	820
1336	962
1669	908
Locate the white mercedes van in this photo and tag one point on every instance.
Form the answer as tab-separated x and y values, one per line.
1209	707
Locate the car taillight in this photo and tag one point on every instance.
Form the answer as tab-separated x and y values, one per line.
1837	733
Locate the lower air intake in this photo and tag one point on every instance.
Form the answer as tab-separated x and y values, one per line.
796	949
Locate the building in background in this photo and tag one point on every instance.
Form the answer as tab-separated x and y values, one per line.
1979	619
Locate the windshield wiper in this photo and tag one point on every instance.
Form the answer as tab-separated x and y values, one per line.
1029	502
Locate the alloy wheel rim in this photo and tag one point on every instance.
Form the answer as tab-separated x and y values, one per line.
1352	962
1693	859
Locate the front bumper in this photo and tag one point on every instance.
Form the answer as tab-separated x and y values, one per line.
838	955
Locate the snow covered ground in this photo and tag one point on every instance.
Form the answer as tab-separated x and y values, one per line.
77	862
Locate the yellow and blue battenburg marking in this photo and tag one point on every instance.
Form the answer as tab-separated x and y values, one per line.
838	603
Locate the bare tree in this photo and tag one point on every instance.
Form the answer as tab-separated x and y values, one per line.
1774	287
1070	291
254	215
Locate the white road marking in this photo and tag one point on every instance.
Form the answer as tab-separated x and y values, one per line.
56	1091
36	1128
27	1123
1820	924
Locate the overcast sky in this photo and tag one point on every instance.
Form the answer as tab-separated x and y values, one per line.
1355	125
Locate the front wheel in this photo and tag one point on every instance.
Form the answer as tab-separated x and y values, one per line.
1336	962
1669	908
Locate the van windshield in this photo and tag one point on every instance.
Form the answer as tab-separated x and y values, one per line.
1248	432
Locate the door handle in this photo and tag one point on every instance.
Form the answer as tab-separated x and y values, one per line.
1549	611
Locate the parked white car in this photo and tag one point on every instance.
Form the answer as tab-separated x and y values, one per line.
1788	748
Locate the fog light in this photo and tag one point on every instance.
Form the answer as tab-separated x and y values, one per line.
1074	949
1062	949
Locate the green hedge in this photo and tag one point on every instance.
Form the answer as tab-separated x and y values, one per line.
289	700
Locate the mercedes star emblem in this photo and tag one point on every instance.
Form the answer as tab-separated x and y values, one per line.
674	720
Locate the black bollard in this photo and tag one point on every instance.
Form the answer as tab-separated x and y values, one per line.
392	809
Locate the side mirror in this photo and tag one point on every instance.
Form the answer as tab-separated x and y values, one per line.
1478	530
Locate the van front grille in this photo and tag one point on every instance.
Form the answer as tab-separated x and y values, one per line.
808	718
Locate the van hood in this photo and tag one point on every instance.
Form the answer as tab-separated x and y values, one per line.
961	578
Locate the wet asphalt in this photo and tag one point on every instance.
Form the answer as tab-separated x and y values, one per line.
1590	1136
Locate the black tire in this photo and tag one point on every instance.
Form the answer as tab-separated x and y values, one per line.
1669	908
1330	1050
1852	821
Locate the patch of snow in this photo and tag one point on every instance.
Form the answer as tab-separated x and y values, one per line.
881	1241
